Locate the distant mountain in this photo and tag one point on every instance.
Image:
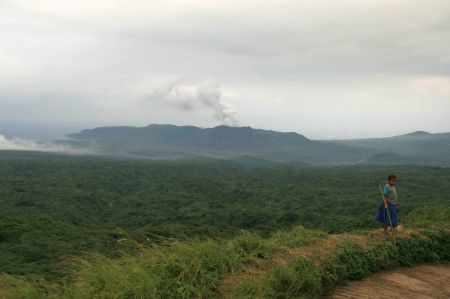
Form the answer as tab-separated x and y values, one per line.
396	159
256	146
170	141
414	148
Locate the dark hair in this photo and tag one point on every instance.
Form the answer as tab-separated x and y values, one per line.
392	177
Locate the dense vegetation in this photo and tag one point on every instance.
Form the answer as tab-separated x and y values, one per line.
117	212
299	263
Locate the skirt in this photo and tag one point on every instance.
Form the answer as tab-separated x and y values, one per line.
383	217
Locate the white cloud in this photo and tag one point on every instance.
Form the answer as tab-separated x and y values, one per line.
16	144
19	144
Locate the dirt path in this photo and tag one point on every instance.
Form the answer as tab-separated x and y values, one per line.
426	281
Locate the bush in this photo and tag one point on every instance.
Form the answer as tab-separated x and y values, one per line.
441	243
250	246
350	261
310	276
284	282
433	247
381	256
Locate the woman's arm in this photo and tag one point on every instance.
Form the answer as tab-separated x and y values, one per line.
386	192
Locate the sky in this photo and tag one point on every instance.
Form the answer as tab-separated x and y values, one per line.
325	69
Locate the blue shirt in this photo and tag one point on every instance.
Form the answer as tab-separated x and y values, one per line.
391	193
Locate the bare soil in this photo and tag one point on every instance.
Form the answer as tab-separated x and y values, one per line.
425	281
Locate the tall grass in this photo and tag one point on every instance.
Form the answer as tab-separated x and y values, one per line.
196	269
180	270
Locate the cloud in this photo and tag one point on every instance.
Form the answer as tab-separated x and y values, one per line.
16	144
80	61
19	144
206	95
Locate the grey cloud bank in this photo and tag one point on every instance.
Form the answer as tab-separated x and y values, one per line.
340	69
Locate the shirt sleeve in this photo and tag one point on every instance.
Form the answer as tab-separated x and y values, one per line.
386	190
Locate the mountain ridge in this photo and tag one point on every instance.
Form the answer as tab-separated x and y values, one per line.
172	141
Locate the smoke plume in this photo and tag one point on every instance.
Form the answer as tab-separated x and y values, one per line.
206	95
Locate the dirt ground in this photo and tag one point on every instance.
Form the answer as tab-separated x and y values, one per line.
425	281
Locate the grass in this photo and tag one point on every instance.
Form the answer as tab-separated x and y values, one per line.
300	263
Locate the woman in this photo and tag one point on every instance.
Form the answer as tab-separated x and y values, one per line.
387	212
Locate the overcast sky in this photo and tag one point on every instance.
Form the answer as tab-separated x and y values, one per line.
325	69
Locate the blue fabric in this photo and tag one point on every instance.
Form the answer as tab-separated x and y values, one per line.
386	190
383	217
390	193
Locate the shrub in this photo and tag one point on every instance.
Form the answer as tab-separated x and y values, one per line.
310	277
284	282
381	256
250	246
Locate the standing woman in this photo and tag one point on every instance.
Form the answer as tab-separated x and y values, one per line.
387	212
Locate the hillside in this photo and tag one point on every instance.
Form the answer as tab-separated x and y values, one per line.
419	147
97	227
290	264
45	195
170	142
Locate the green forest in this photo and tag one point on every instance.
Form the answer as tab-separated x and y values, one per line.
57	210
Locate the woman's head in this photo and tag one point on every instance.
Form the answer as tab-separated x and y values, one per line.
392	179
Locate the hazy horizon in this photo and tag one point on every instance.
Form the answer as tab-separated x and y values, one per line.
50	132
